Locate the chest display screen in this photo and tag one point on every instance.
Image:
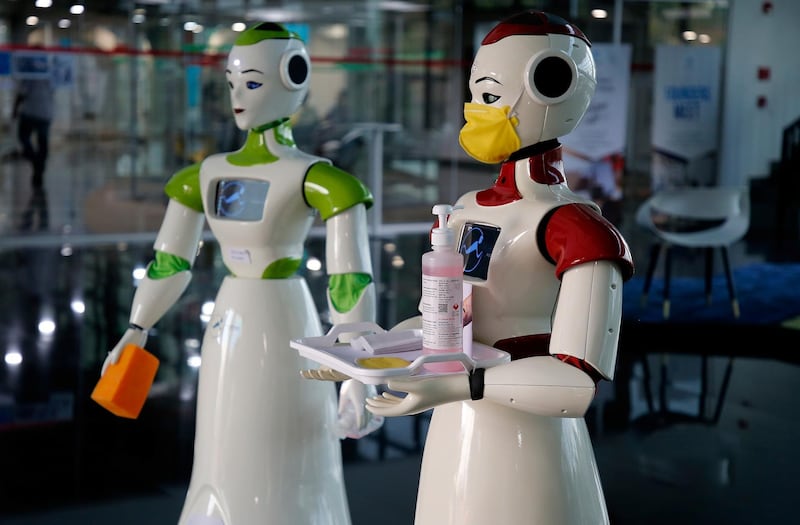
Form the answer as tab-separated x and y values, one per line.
241	200
477	244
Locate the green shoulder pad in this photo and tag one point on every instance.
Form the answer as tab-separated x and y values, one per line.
184	187
331	190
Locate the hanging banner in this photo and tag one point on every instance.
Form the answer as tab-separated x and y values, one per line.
686	87
594	153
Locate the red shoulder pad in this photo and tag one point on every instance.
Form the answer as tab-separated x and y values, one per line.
577	233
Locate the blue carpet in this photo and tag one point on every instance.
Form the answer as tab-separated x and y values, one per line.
768	294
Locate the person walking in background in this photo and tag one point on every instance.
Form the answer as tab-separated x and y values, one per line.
34	108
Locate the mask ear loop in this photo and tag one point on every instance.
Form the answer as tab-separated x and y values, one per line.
512	110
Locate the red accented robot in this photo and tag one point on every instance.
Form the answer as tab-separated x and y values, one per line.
508	444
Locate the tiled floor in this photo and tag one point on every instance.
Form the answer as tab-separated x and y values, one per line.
63	461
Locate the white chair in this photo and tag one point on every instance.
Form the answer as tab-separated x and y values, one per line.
706	218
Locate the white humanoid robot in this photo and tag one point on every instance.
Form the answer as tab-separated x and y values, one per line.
267	443
508	445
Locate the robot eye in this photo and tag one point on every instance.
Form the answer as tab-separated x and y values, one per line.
553	77
488	98
252	84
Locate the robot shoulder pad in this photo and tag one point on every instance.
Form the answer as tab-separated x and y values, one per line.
331	190
184	187
575	233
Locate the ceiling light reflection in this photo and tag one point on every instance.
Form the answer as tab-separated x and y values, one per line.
13	358
47	326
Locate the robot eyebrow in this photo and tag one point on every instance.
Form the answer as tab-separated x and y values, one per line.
251	70
489	79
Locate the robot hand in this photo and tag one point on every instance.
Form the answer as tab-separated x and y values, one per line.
354	420
324	374
422	394
136	336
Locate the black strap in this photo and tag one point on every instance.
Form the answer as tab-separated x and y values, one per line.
476	383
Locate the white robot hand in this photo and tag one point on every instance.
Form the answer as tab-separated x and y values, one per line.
354	420
133	335
423	394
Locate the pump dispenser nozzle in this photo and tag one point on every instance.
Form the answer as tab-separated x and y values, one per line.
442	235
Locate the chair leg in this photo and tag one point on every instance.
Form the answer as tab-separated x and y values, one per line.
667	271
723	391
729	277
709	274
701	403
655	251
662	385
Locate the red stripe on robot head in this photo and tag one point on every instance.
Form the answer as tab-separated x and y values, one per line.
533	23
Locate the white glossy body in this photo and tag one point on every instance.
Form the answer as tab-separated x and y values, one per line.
523	453
255	455
265	447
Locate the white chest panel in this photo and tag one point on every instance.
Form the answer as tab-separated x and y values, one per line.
515	286
257	213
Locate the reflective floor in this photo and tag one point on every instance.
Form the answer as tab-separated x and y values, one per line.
65	287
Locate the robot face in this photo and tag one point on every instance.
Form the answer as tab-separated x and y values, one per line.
268	80
553	75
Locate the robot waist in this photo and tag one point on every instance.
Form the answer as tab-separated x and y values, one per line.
525	345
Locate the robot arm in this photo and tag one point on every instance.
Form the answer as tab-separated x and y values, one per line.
588	316
351	298
540	385
583	346
351	292
167	276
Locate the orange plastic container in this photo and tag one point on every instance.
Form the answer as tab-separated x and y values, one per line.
123	389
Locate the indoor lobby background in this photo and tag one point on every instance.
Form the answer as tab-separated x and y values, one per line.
141	93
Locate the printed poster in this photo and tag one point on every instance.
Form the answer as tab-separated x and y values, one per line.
594	153
686	106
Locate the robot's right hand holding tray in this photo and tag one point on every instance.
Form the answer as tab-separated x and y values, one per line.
560	385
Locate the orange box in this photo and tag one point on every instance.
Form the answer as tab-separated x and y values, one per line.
123	389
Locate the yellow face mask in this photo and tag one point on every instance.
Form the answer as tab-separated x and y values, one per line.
489	135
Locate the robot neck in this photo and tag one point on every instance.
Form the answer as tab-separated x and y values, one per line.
544	166
534	149
263	143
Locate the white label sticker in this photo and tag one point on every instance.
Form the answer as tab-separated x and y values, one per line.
239	255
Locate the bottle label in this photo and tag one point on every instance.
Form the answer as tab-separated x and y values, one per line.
441	313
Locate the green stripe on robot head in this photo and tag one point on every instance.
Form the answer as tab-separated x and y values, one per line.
265	31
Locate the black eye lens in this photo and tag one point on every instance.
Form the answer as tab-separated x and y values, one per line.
488	98
552	77
297	69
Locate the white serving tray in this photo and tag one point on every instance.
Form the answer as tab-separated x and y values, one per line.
328	351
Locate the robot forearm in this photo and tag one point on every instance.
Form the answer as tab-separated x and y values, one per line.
154	297
541	385
169	274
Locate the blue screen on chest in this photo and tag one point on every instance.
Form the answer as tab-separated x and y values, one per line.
477	244
240	199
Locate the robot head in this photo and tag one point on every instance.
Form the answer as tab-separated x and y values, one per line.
535	70
268	74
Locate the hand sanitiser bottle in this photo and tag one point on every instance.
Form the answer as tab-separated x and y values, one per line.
442	295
